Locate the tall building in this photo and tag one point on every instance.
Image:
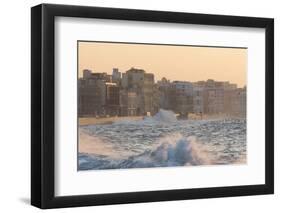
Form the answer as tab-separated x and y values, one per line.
116	76
243	102
165	94
129	105
220	98
148	90
134	93
92	91
87	74
91	98
155	99
240	103
112	104
183	97
142	83
198	99
214	100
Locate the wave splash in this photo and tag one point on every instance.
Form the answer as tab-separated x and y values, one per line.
162	116
174	150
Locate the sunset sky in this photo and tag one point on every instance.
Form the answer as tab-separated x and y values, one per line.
184	63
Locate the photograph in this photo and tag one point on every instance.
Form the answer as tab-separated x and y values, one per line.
160	105
133	105
139	105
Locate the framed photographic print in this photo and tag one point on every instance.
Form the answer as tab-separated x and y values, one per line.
140	106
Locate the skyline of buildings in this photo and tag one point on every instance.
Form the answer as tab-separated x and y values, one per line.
135	93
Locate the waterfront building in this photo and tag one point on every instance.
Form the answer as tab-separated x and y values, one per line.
198	99
116	76
220	97
134	93
240	103
88	74
155	99
112	104
183	97
210	98
129	105
91	98
140	82
166	94
214	100
213	97
243	102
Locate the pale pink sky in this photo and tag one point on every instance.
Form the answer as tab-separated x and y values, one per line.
185	63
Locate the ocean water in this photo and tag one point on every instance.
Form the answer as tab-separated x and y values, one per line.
162	141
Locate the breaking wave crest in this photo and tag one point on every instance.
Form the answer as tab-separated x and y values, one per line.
174	150
165	116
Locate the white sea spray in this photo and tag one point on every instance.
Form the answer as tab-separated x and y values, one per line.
162	141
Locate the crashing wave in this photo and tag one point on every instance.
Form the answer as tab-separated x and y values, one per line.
174	150
163	116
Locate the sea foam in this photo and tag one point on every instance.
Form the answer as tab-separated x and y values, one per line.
162	141
163	116
174	150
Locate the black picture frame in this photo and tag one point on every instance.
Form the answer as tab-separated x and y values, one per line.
43	102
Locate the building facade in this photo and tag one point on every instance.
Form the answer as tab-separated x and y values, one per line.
198	99
183	97
112	103
134	93
91	99
142	83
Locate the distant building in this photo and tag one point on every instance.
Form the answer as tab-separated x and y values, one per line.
213	97
240	103
142	83
243	102
133	78
166	94
129	105
134	93
88	74
155	99
230	99
220	98
198	99
112	104
148	90
214	100
183	97
92	93
91	99
116	76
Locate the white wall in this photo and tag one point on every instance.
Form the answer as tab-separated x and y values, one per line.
15	105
